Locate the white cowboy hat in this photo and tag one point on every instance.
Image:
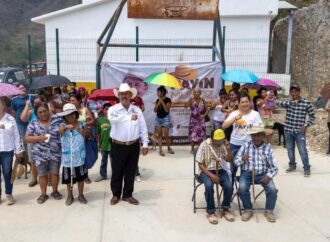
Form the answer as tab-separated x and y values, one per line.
68	109
124	87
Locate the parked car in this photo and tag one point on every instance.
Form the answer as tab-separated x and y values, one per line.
37	69
12	75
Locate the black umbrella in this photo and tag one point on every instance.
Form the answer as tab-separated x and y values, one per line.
50	81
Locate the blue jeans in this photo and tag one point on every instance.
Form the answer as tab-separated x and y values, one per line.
104	163
234	149
245	183
6	163
209	190
298	138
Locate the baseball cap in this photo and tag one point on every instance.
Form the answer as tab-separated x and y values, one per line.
218	135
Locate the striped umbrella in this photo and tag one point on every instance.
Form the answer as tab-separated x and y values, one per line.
164	79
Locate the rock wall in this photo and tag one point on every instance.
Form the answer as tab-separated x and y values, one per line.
310	59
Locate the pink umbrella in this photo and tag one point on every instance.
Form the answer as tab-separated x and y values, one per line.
263	82
9	90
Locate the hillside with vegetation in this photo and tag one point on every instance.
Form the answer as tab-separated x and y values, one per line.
16	25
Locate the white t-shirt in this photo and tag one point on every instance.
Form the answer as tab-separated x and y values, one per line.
217	114
239	127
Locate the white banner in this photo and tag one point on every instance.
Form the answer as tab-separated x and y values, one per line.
205	76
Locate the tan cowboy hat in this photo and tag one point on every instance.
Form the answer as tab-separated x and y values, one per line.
124	87
185	73
260	128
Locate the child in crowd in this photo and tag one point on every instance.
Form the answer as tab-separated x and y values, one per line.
218	115
272	96
103	137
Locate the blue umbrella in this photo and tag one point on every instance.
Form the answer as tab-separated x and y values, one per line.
240	76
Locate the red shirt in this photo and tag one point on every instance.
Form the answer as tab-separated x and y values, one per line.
137	101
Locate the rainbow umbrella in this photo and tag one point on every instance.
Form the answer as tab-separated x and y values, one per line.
163	79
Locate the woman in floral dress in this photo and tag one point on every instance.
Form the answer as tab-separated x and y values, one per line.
197	127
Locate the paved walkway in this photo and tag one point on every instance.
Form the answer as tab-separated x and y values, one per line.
165	212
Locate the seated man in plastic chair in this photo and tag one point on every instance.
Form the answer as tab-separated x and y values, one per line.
211	151
257	158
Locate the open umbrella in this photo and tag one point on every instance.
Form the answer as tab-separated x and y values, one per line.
50	81
9	90
239	76
263	82
163	79
103	94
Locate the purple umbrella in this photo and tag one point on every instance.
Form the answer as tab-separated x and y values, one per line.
9	90
263	82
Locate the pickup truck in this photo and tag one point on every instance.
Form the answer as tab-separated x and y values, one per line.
12	75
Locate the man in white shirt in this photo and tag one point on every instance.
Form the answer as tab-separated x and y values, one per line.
128	127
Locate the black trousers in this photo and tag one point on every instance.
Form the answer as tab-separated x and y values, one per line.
228	132
124	164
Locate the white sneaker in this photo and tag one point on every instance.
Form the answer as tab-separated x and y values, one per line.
138	178
10	200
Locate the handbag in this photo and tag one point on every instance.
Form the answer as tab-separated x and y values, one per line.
92	151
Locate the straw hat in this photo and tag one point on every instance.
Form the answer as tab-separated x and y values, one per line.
68	109
185	73
260	128
124	87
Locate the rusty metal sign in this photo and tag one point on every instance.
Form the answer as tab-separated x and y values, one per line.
174	9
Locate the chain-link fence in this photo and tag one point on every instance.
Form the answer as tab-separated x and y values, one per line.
77	57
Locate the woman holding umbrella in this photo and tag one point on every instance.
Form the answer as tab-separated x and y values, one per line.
9	134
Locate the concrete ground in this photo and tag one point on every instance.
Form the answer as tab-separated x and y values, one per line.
166	213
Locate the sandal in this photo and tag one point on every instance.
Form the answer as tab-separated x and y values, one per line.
213	219
42	198
88	181
228	216
171	151
33	183
82	200
56	195
69	201
161	153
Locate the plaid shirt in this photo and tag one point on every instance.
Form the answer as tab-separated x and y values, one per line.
205	156
261	159
296	114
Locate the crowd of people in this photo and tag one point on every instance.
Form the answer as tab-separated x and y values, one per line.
62	128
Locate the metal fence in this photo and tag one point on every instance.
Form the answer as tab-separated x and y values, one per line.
76	58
